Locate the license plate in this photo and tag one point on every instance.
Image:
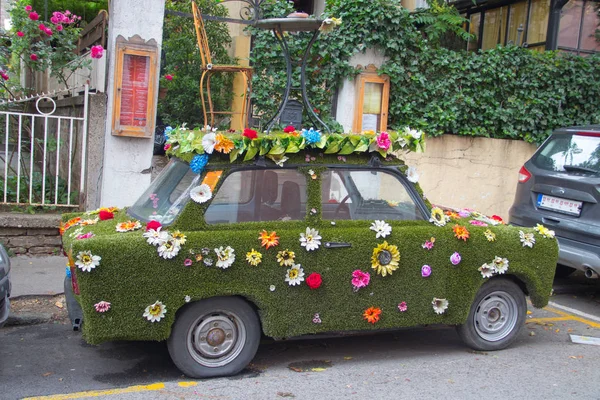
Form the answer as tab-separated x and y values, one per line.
557	204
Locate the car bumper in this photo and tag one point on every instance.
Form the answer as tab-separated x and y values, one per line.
4	299
574	254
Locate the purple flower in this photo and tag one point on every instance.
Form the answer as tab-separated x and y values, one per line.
188	262
402	306
455	258
425	271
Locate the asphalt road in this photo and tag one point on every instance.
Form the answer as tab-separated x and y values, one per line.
52	361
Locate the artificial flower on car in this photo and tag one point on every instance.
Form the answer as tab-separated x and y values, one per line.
428	245
156	237
169	248
527	239
201	194
72	222
295	275
381	228
311	240
224	144
253	257
500	265
545	232
437	217
86	261
385	258
487	270
268	240
286	258
439	305
225	257
102	306
179	237
372	314
402	307
209	141
360	279
86	222
489	235
128	226
455	258
155	312
425	271
412	175
314	280
460	232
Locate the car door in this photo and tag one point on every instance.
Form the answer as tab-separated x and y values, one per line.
352	200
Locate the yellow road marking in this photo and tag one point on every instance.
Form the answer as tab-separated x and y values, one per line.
550	319
188	384
98	393
573	317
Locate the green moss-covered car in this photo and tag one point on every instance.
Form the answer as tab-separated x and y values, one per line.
212	256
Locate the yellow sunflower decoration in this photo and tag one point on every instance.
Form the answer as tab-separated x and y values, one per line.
385	258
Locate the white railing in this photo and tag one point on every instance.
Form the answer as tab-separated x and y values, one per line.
41	162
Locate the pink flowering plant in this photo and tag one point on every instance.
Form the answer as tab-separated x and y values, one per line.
40	45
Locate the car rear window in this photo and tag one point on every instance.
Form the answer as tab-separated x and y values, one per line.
569	152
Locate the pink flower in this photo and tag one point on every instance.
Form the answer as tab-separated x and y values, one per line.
425	271
167	146
477	223
42	27
48	31
33	57
97	51
169	77
4	75
54	20
85	236
428	244
383	141
28	8
67	12
34	16
59	28
188	262
20	34
360	279
402	306
102	306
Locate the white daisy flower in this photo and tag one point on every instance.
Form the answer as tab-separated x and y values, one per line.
412	174
439	305
500	265
187	299
281	161
86	261
487	270
272	288
169	248
156	237
155	312
208	142
225	257
311	240
381	228
295	275
527	239
201	194
208	128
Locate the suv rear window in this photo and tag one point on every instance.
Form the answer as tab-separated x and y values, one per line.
569	152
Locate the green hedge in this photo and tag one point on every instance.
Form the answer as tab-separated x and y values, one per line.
509	92
131	275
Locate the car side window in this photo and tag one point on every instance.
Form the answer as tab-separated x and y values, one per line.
259	195
366	195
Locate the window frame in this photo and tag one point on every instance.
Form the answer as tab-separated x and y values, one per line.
579	51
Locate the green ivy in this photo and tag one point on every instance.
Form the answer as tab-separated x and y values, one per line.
507	92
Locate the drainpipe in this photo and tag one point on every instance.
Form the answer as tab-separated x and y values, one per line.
554	23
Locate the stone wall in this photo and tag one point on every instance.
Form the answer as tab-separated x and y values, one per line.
467	172
30	234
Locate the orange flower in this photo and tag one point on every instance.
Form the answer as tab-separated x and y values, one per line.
452	214
460	232
268	239
372	314
63	227
224	145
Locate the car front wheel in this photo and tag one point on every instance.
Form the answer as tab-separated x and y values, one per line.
496	317
214	337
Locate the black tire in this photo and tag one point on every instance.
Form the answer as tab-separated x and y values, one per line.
228	326
562	271
505	302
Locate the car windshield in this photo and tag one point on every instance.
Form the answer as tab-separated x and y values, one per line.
570	153
167	194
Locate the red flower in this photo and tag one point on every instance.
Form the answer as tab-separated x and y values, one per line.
42	27
105	215
250	133
153	225
34	16
314	280
289	129
33	57
4	75
20	34
96	51
497	218
169	77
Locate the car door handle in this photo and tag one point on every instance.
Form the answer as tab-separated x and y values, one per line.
336	245
550	220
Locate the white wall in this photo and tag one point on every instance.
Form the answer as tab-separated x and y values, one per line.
347	95
127	161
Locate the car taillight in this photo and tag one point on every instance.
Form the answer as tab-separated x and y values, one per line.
524	175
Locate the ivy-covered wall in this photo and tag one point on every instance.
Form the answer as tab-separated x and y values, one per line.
508	92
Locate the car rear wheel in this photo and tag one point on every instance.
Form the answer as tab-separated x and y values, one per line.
214	337
496	317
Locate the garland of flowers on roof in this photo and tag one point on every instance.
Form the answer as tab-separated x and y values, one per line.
194	145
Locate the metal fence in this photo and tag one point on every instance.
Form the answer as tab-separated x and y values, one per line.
42	160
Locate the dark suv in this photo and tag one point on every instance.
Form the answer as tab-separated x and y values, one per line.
559	187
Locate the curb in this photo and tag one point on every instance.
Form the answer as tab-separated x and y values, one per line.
28	319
